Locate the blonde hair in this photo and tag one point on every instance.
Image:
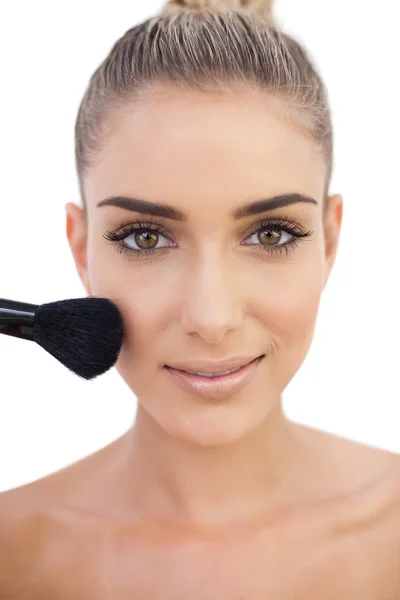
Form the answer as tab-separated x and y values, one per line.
211	46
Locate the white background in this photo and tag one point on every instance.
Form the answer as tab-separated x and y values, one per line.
348	385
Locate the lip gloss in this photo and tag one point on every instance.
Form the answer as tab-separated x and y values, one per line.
215	387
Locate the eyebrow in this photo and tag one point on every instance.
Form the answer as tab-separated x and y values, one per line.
164	210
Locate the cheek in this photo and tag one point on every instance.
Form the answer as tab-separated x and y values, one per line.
297	326
144	316
145	297
296	316
287	307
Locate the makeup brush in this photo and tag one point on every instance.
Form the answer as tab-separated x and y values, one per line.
84	334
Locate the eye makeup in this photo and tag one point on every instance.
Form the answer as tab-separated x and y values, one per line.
157	230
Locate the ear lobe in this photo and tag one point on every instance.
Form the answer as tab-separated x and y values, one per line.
76	230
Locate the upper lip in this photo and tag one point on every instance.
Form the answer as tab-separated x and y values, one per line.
207	366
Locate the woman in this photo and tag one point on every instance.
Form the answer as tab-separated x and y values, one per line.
204	155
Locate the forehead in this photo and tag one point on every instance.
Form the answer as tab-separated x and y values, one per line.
175	146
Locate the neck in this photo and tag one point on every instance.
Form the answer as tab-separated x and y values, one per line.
209	486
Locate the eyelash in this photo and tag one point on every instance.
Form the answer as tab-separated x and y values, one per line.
278	224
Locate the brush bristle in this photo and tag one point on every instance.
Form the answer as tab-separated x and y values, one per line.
84	334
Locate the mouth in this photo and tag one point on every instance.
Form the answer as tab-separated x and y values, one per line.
217	384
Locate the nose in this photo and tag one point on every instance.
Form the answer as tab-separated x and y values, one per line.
212	305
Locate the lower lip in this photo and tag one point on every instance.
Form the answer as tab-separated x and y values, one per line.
216	387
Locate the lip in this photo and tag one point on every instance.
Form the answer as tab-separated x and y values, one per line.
217	387
206	366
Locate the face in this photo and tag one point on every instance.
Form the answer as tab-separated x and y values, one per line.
207	281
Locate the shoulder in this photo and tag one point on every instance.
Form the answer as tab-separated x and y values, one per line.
30	530
373	527
43	540
360	461
353	470
361	518
22	530
373	501
14	550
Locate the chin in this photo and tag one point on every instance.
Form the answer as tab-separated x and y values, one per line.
212	426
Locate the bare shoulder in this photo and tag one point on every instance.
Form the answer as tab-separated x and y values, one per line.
361	517
18	540
24	514
35	533
370	475
37	524
41	504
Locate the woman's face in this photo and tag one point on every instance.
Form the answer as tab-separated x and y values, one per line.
210	284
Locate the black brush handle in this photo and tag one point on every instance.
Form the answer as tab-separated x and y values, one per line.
17	318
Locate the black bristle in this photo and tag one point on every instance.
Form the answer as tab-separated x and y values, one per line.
84	334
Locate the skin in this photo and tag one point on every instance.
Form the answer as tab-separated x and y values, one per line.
209	499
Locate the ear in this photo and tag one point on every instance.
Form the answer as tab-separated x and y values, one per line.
332	228
76	229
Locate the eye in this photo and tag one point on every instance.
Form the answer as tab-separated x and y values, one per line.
140	239
146	239
276	237
269	236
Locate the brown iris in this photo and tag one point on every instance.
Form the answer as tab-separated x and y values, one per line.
146	239
269	236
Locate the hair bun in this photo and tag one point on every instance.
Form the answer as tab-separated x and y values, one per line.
261	8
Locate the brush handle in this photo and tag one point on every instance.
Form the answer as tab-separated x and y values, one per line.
17	318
